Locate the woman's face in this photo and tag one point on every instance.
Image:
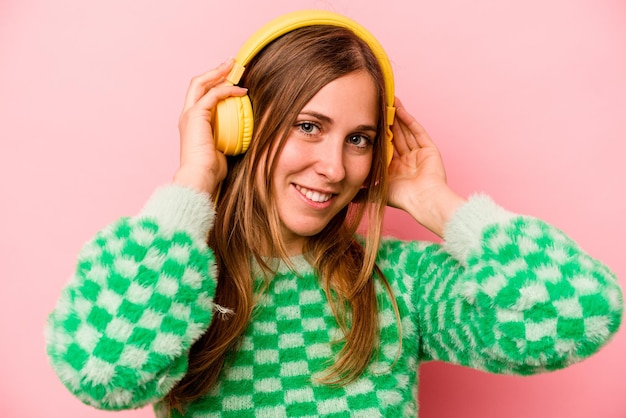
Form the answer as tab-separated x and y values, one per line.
326	157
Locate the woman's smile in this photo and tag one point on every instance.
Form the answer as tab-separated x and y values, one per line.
313	195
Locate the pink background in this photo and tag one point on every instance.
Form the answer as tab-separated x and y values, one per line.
527	101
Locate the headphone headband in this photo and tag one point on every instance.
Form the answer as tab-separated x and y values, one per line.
294	20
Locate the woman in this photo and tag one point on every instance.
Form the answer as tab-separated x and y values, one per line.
286	311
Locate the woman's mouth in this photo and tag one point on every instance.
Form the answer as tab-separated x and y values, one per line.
314	195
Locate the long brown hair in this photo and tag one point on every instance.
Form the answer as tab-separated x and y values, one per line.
281	80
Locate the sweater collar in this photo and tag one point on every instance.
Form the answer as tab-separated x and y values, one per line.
299	265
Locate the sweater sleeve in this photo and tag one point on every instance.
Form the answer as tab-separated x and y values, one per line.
512	294
141	294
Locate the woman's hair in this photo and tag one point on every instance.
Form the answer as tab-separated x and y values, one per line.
281	80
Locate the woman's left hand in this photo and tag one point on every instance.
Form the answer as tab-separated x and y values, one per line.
417	177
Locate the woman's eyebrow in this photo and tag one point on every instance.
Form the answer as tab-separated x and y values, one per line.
329	120
317	115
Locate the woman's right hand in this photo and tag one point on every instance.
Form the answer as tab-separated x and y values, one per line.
202	166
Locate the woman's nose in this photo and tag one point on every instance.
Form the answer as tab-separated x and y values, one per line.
330	160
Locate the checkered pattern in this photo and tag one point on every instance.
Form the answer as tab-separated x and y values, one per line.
288	343
528	301
122	327
517	297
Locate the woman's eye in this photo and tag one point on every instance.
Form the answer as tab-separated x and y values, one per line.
360	141
308	128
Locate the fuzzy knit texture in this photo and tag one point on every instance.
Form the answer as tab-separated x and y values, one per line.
504	294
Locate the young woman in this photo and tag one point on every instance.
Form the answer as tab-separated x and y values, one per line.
269	304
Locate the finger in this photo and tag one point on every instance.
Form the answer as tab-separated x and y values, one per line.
214	95
411	141
202	83
205	106
418	132
399	138
400	131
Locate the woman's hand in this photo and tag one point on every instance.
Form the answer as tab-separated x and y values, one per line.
202	167
417	177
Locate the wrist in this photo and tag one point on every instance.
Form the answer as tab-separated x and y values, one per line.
203	181
434	210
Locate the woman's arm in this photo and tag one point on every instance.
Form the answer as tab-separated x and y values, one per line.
505	293
143	288
141	295
512	294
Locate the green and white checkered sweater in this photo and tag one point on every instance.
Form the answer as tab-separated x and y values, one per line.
504	294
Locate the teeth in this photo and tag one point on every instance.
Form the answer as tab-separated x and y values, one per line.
313	195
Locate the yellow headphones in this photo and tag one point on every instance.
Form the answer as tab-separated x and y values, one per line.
233	119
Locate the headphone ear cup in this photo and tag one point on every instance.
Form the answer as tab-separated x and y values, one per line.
233	123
